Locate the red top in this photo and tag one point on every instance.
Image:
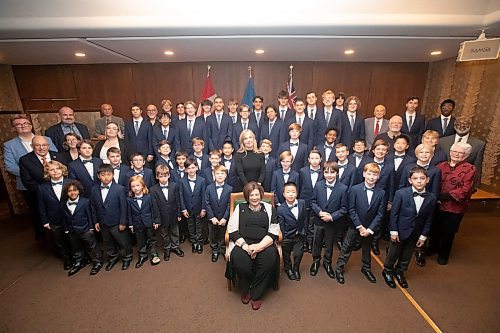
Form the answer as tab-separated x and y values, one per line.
458	181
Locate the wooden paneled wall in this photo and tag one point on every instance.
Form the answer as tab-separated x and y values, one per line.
88	86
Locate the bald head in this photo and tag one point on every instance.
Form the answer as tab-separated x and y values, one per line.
67	115
379	111
107	110
40	145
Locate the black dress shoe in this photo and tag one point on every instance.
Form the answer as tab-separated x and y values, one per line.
420	258
166	256
95	269
290	274
199	249
401	280
141	262
215	257
67	265
369	275
110	265
442	261
178	251
329	270
125	265
375	249
182	239
296	273
194	248
314	268
77	267
389	279
340	277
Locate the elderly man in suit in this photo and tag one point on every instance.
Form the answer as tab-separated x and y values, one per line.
462	128
376	125
66	125
444	124
107	117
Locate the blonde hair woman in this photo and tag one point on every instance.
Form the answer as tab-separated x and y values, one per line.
250	164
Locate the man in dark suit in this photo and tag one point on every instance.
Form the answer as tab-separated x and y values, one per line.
219	126
189	128
139	133
410	224
445	123
66	125
258	114
462	128
327	117
284	112
307	134
271	130
413	123
85	167
312	108
166	131
244	123
32	173
352	124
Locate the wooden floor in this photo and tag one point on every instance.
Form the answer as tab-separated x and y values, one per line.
189	294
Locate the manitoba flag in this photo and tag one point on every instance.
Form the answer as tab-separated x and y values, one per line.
292	94
208	92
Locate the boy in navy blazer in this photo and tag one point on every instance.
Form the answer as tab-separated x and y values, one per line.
219	126
139	133
189	128
400	158
308	178
214	159
119	169
327	147
413	122
217	198
296	147
164	153
244	123
283	175
167	211
329	203
138	169
410	224
292	218
271	165
79	222
180	168
165	132
352	123
109	204
49	197
84	168
192	197
366	210
285	112
228	162
271	129
308	131
347	172
199	155
359	152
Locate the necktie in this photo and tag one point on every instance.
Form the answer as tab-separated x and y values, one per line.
56	183
352	122
234	119
283	114
105	187
399	156
410	123
266	159
136	127
300	121
421	194
257	117
44	161
312	114
377	128
296	144
244	126
86	161
327	118
190	127
426	167
165	133
445	124
218	120
271	127
459	140
381	165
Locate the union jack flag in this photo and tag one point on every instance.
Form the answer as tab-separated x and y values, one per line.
292	94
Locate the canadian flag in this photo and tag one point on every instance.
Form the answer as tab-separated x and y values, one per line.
208	92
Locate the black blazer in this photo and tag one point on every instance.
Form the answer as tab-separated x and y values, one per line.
300	159
49	206
78	171
436	125
417	129
125	150
31	169
140	217
218	208
166	211
82	219
171	138
142	142
113	210
56	133
349	136
321	125
361	214
289	225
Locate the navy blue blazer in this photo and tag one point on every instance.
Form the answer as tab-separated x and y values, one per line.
143	216
184	139
364	214
289	225
434	174
31	169
306	188
208	175
232	178
289	113
147	175
113	210
407	159
238	128
336	205
171	137
308	134
321	125
49	206
435	124
404	217
165	211
349	136
300	159
348	175
82	219
122	177
253	119
322	150
417	129
205	162
169	163
385	179
215	207
270	168
193	201
351	159
78	171
274	136
278	183
177	175
142	142
56	133
438	157
216	137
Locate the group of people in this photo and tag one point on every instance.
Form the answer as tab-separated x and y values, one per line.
337	179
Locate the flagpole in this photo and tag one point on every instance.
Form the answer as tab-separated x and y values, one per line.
208	70
291	70
249	72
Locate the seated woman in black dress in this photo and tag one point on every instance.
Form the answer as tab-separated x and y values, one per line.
253	256
249	161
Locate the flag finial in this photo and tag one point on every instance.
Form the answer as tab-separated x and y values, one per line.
291	69
208	70
250	72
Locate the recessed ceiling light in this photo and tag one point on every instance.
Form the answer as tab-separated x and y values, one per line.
436	52
259	51
80	54
349	52
169	52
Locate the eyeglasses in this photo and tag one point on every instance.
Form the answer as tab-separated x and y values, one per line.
43	145
22	125
457	152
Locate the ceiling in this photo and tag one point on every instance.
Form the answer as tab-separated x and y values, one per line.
129	31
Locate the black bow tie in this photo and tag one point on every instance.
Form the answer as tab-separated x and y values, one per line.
86	161
219	186
294	144
342	166
137	198
105	187
293	206
368	189
179	171
358	155
56	183
329	186
399	156
328	146
426	167
70	203
315	171
381	165
199	158
226	160
422	194
192	181
141	173
286	173
164	187
116	167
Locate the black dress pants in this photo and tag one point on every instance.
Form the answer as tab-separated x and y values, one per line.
351	239
327	234
62	241
146	240
85	239
443	232
116	241
216	233
399	255
293	245
170	235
